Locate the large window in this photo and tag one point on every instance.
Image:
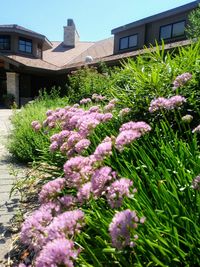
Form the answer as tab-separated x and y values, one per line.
128	42
25	45
4	42
172	30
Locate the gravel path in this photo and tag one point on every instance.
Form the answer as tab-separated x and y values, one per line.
8	206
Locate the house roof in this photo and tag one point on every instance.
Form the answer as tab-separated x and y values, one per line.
159	16
21	30
61	55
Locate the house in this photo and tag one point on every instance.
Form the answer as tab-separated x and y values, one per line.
29	61
168	26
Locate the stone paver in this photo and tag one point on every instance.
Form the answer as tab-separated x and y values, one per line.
8	206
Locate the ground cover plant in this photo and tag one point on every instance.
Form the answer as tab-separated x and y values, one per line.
126	187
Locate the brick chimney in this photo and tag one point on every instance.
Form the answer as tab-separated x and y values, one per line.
71	36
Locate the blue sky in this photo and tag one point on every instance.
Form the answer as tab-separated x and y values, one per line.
94	19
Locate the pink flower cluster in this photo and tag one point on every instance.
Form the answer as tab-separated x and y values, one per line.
129	132
51	189
124	111
98	98
196	129
36	125
48	226
50	230
166	103
181	80
196	183
85	101
77	124
122	227
59	252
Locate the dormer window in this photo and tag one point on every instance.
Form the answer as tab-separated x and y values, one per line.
128	42
4	42
25	45
172	30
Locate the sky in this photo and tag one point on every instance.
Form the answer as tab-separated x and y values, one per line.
94	19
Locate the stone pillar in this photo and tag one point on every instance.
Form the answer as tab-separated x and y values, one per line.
13	85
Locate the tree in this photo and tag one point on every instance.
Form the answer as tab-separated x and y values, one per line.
193	27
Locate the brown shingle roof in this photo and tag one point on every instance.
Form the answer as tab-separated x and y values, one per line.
97	51
60	55
33	62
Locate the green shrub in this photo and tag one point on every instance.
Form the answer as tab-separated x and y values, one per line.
24	144
85	82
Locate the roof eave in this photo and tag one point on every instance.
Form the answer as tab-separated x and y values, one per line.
47	43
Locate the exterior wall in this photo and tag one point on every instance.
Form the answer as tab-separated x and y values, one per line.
141	39
153	29
150	32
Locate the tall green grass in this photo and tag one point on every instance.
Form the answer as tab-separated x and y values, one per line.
162	167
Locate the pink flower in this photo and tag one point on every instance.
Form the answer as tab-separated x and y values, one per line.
51	189
85	101
66	224
82	145
36	125
109	107
125	138
107	117
78	170
117	191
104	149
54	146
32	232
84	192
124	111
181	80
196	130
139	126
121	228
100	180
97	97
59	252
166	103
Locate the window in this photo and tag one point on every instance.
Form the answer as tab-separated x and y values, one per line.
4	42
178	29
25	45
172	30
128	42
